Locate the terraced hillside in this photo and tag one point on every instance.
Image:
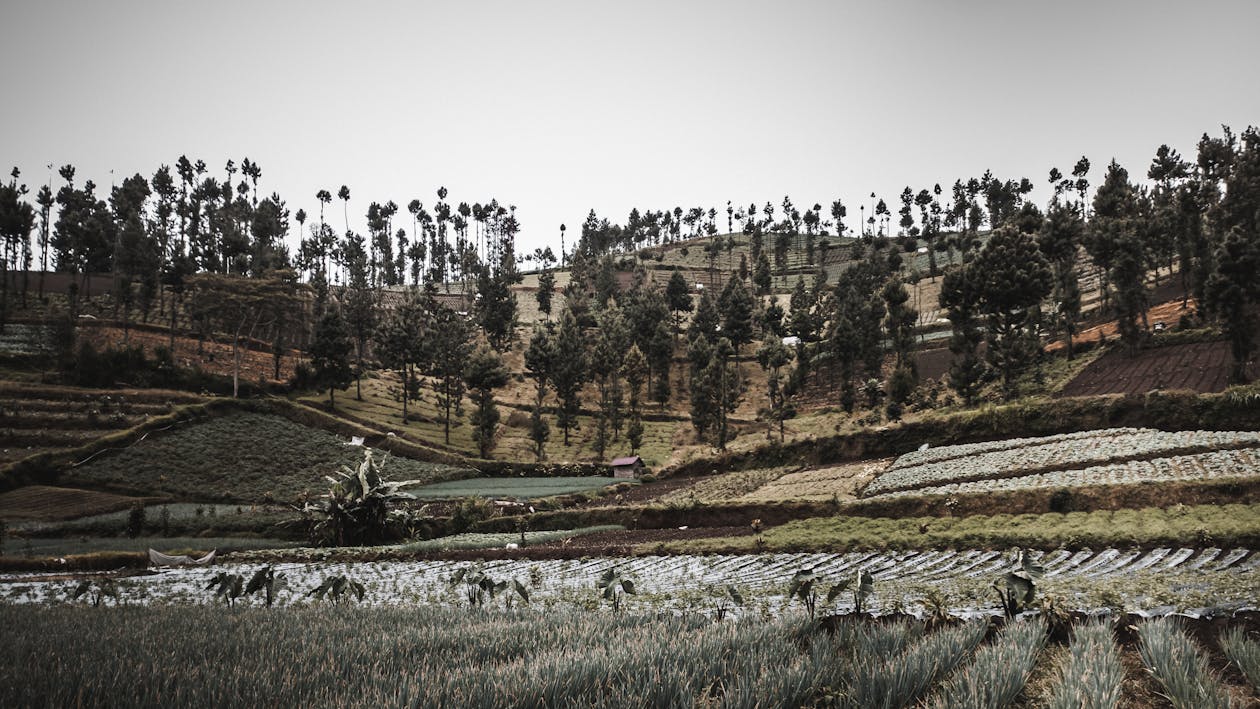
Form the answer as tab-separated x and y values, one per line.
39	418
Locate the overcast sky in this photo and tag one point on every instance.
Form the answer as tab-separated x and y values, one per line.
560	107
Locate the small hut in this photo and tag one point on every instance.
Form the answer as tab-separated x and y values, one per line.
628	467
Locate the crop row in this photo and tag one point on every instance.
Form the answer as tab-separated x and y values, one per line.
442	657
243	457
1035	458
838	482
1217	465
1182	578
527	488
728	486
962	450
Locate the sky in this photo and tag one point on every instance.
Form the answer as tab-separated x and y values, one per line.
563	107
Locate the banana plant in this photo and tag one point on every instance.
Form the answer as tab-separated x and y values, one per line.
612	586
1018	589
360	505
267	581
227	586
479	586
99	590
338	589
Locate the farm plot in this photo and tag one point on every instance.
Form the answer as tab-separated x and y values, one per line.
841	482
39	419
240	457
26	339
725	487
1157	581
1217	465
1201	367
520	488
1026	457
445	657
45	503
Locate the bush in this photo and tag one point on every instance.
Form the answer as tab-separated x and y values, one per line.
135	520
469	512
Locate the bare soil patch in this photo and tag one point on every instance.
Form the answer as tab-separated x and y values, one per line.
1202	367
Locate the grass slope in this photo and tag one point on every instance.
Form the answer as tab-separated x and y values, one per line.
239	457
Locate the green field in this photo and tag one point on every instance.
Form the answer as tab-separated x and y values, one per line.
239	457
521	488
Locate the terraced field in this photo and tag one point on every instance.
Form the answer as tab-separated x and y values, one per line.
1108	456
39	419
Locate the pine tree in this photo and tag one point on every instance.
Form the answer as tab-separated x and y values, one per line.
570	373
485	373
961	300
330	353
1011	278
448	354
634	368
737	305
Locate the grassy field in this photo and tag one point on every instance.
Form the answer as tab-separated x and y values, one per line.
520	488
240	457
1236	525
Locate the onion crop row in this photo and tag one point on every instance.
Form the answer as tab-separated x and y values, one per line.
1092	674
936	455
997	672
901	680
345	656
1243	652
1180	666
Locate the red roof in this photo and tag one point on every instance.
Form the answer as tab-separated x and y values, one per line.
631	460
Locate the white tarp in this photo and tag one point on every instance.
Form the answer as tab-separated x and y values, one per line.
157	558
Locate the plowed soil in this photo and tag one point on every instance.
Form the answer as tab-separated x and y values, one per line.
1202	367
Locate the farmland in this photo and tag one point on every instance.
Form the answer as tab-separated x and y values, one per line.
1197	366
1071	452
39	419
240	457
443	657
520	488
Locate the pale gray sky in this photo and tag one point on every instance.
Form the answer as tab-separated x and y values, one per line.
558	107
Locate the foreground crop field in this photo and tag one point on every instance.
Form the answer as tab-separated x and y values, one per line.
443	657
